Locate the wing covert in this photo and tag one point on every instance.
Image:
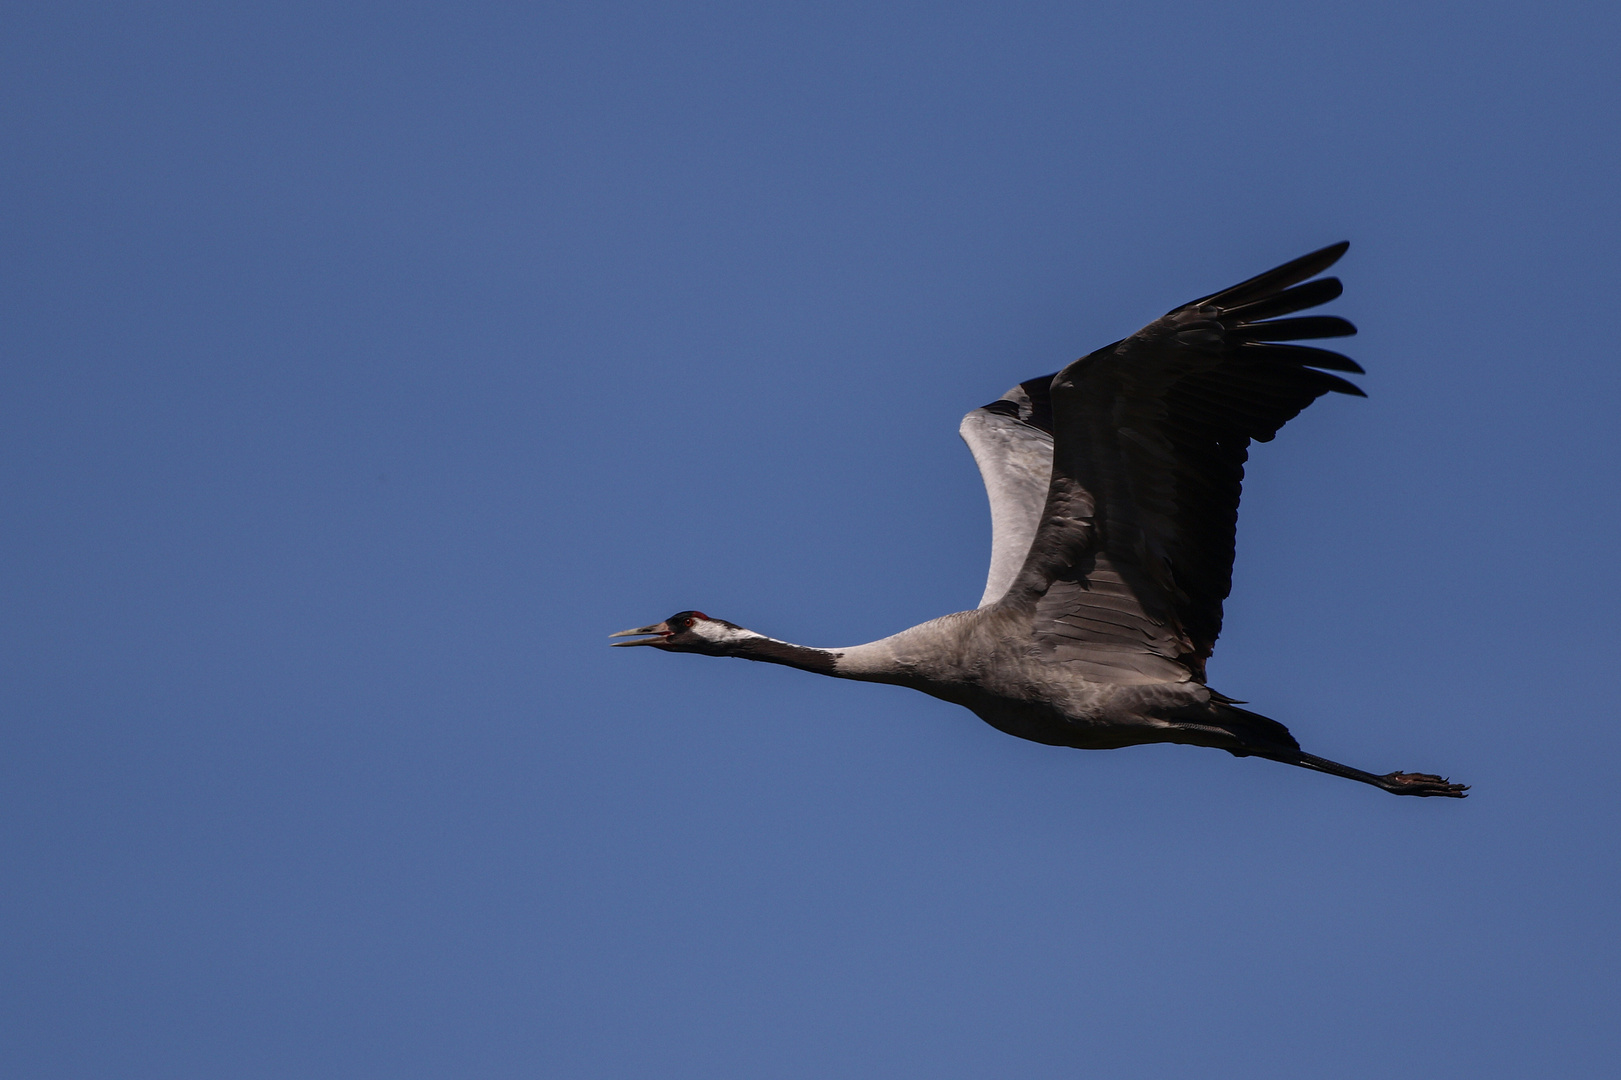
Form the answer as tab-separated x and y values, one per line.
1012	443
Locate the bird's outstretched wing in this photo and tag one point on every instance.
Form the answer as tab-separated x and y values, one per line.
1133	555
1012	443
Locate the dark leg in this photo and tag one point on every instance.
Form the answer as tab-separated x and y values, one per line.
1397	783
1246	734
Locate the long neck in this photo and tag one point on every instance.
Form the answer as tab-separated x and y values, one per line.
909	658
772	651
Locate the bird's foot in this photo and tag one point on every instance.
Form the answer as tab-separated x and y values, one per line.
1422	784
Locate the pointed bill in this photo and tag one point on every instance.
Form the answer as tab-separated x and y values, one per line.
659	632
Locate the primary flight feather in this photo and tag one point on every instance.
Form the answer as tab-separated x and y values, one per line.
1114	489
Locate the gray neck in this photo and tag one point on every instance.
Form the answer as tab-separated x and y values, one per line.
909	658
772	651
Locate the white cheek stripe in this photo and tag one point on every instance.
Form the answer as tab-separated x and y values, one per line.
721	634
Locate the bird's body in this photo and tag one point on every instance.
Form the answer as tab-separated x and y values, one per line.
1114	489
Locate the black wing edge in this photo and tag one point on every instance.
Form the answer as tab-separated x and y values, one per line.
1243	310
1248	316
1276	279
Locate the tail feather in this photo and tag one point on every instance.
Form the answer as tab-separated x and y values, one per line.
1252	729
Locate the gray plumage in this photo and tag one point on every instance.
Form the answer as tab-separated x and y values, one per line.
1114	489
1015	460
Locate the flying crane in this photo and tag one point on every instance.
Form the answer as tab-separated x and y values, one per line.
1114	488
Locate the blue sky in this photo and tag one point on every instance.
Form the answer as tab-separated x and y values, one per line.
365	365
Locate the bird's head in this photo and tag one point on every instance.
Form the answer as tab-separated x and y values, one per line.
688	631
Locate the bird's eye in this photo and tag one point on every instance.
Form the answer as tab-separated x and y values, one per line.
687	621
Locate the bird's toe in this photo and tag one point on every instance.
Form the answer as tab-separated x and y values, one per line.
1423	784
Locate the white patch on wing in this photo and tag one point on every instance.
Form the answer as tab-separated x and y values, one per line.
1016	462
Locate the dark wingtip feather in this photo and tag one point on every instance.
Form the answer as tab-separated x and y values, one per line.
1312	326
1336	384
1304	355
1287	302
1278	278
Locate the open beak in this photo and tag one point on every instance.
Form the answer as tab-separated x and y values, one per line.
660	631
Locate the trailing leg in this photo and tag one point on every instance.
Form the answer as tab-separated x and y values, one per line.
1262	736
1397	783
